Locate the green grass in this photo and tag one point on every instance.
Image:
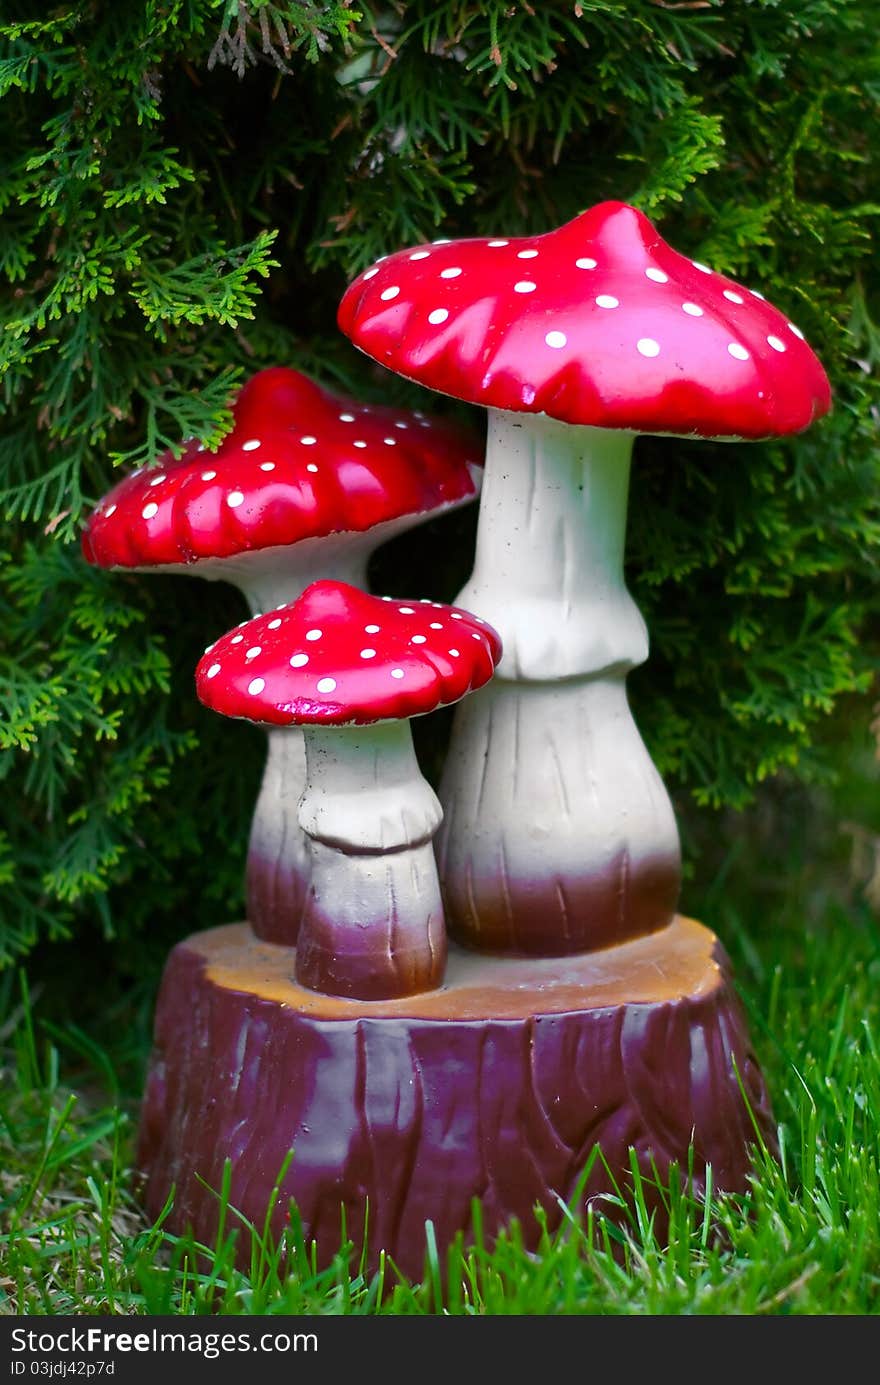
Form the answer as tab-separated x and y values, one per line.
804	935
806	1239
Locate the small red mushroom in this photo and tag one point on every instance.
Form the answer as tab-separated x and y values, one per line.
559	835
307	485
351	669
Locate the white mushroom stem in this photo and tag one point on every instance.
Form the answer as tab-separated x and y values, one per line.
548	569
373	924
558	834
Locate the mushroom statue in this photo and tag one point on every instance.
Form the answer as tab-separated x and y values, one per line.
558	834
306	485
577	1010
351	669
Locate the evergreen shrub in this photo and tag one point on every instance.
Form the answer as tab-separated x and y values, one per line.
187	188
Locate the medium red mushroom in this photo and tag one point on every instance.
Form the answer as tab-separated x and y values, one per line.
306	485
558	834
350	670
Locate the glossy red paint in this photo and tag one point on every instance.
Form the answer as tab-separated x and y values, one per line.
299	463
338	656
599	322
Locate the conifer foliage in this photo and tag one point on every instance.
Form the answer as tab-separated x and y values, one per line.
186	188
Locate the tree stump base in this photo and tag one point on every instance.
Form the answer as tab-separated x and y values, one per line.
496	1086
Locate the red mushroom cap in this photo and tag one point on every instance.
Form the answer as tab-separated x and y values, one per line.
299	463
600	322
337	656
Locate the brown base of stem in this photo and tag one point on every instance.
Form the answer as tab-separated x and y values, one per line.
276	896
565	914
496	1086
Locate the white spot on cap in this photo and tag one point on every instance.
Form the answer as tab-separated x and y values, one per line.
311	467
797	331
149	510
208	475
298	660
370	272
314	634
234	499
406	610
387	294
256	686
526	254
419	639
254	650
692	309
739	353
360	443
495	243
346	418
444	240
372	629
390	442
157	480
273	624
436	625
267	466
420	255
111	510
326	685
524	286
756	294
456	615
657	275
475	635
776	343
703	268
734	297
397	673
455	653
437	316
647	346
586	262
251	445
556	339
400	424
308	440
452	273
368	653
607	300
236	639
213	670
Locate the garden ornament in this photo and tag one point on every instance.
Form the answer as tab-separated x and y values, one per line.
558	833
351	669
585	1036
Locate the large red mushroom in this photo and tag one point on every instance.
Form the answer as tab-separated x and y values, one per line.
351	670
306	485
558	834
